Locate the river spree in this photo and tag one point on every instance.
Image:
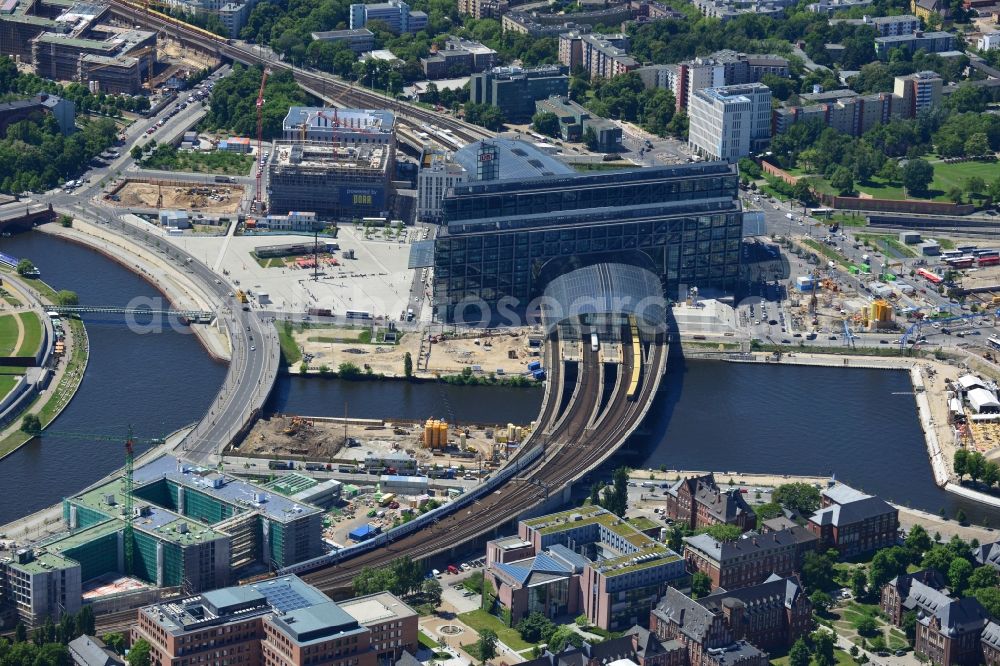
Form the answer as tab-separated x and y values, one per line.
157	382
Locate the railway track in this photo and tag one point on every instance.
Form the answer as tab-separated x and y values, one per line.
337	89
574	450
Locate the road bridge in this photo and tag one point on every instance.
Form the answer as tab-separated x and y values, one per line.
589	410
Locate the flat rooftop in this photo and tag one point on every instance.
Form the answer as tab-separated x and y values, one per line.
376	608
225	488
518	159
328	157
379	121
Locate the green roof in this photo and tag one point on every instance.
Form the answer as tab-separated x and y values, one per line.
642	523
77	42
290	484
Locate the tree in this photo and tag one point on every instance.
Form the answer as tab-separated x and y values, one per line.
136	152
546	123
823	642
889	171
858	582
407	365
767	512
960	463
535	628
701	585
975	185
562	637
917	175
989	597
722	532
802	498
65	221
67	297
348	370
487	645
431	589
31	425
615	497
955	194
958	575
821	601
817	569
886	565
983	577
802	192
24	267
595	493
867	626
977	145
991	473
799	654
842	180
115	641
939	557
917	540
590	138
20	633
139	654
909	625
85	623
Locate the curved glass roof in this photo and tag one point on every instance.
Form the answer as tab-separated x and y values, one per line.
608	288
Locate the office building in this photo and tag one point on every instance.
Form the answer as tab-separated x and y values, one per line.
751	558
730	122
918	91
299	221
335	182
698	502
515	90
339	126
396	14
438	173
768	616
583	561
601	56
575	120
358	41
854	523
278	622
459	57
931	42
526	217
830	7
193	529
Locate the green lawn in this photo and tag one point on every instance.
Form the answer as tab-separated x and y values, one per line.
426	641
233	164
946	176
480	619
8	335
843	659
6	384
32	334
290	351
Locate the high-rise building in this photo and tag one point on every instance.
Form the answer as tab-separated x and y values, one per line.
509	236
918	91
730	122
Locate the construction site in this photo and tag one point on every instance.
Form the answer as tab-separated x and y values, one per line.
177	196
351	442
505	353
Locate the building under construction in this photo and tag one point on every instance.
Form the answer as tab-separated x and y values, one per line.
336	182
192	529
73	41
339	126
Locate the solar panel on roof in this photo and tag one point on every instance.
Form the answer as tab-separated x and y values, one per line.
283	597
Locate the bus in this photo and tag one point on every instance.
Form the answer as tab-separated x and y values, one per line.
964	261
241	296
594	343
991	259
358	314
933	278
994	342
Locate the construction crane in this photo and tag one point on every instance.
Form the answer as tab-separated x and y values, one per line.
127	480
260	137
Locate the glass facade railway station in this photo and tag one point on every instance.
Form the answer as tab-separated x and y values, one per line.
512	237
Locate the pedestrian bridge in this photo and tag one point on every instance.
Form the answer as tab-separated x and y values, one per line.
197	315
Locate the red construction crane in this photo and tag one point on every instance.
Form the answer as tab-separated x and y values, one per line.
260	135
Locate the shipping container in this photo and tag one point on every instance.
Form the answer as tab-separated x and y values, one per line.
534	365
538	374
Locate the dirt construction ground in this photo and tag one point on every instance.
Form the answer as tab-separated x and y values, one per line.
206	199
450	356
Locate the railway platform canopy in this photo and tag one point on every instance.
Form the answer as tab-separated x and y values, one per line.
603	296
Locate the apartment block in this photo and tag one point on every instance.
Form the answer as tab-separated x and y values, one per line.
585	561
750	559
844	110
919	91
277	622
931	42
459	57
601	56
730	122
854	523
699	502
480	9
515	90
395	13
